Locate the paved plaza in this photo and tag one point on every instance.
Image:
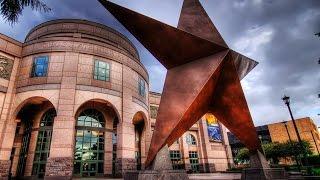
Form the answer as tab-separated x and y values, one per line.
219	176
215	176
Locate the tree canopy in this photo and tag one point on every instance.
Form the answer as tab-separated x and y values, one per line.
12	9
275	151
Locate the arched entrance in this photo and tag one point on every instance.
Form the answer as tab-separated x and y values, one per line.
32	138
139	128
95	141
89	150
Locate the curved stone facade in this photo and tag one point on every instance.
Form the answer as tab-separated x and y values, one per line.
74	68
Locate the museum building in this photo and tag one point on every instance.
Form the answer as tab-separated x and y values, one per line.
75	102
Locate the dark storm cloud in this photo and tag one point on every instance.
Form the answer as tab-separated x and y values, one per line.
279	34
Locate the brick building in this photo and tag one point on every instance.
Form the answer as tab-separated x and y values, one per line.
283	132
75	102
308	131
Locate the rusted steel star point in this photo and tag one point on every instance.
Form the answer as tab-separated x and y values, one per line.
203	74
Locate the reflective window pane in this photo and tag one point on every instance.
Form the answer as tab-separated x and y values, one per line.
40	66
101	70
89	143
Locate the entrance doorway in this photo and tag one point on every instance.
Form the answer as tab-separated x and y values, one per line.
43	144
32	140
89	151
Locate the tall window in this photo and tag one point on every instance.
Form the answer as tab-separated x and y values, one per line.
191	140
43	144
89	150
40	66
194	161
142	87
175	157
101	70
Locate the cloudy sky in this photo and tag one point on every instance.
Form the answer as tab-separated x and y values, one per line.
279	34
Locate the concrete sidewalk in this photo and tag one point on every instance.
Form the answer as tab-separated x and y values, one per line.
219	176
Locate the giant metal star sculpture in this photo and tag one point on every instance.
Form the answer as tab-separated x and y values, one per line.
203	74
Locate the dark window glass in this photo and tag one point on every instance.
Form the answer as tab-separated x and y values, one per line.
176	160
194	161
40	66
142	87
43	143
101	70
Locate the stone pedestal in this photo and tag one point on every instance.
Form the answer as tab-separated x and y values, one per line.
59	168
260	169
264	174
161	169
4	169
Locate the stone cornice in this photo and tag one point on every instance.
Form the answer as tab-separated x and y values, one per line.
82	27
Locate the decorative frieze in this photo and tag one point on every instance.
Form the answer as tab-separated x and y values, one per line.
6	66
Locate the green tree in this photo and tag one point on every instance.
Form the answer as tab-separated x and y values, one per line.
242	156
275	151
12	9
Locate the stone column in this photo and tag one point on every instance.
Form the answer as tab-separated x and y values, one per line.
126	136
7	122
203	155
60	162
208	167
185	152
227	146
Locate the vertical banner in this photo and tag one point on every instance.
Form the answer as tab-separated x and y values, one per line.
214	131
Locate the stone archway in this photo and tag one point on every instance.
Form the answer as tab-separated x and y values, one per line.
33	119
96	139
140	123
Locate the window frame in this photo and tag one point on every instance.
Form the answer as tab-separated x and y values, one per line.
107	70
88	133
194	161
43	144
141	87
35	64
191	139
176	159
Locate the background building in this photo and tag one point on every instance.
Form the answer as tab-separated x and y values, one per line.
283	132
204	148
74	101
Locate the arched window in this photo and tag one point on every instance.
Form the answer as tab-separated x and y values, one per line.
191	140
43	143
89	150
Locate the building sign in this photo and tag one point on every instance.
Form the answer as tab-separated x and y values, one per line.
214	131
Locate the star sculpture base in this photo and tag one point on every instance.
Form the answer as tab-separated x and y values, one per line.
261	170
161	169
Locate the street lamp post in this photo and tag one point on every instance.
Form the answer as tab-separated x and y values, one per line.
286	100
295	156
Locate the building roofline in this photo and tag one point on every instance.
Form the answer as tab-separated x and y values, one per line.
155	93
10	39
297	119
46	23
